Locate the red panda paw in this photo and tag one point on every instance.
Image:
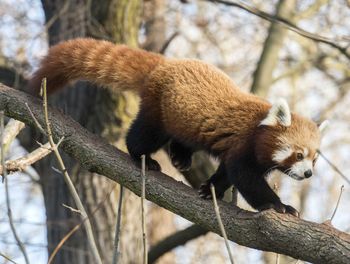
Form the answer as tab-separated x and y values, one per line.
280	208
152	164
291	210
180	155
181	164
205	192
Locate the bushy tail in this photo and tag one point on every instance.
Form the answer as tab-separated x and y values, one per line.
98	61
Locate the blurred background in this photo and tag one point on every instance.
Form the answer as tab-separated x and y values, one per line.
263	57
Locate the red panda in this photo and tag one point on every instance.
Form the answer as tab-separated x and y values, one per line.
195	106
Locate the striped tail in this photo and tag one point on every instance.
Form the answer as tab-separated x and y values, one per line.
98	61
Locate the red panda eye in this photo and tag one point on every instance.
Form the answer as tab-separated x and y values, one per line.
300	156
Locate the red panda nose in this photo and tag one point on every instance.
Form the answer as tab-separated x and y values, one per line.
308	173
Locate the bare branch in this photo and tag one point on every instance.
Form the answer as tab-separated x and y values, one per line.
277	258
179	238
74	229
22	163
268	230
7	258
36	121
337	205
221	225
117	227
68	180
262	77
12	129
143	212
311	9
334	167
72	209
168	41
286	23
7	192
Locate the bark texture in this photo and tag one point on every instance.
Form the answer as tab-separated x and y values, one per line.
269	231
101	112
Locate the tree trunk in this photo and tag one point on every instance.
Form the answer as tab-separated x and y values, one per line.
272	46
103	113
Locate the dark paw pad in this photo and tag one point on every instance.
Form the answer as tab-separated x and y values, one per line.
205	192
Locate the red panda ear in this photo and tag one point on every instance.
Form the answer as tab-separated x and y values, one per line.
279	113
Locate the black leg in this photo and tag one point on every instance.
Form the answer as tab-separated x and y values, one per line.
252	185
219	180
145	138
180	155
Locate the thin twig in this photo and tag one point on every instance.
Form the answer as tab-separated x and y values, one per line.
72	209
2	152
35	120
286	23
334	167
221	225
7	193
7	258
336	207
167	42
13	127
74	229
20	164
277	258
64	239
143	194
117	227
68	180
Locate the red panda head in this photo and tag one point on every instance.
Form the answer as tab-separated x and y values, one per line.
288	142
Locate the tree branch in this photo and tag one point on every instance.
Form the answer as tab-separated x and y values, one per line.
22	163
286	23
268	230
179	238
266	65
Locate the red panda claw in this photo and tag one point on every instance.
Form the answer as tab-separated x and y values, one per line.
202	195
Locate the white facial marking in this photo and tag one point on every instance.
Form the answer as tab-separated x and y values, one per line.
298	169
278	114
282	154
305	152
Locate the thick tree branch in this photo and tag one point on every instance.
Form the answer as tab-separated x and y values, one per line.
269	231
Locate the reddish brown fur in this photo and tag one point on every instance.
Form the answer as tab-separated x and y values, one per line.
101	62
302	133
190	102
183	94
